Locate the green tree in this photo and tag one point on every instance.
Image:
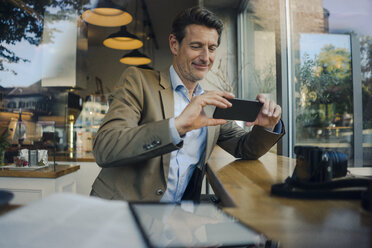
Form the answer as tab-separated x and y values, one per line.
323	83
334	67
366	67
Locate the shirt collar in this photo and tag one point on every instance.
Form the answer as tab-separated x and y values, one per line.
177	82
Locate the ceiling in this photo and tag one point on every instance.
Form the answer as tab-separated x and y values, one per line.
161	14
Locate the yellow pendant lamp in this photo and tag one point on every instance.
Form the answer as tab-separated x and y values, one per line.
107	14
135	57
123	40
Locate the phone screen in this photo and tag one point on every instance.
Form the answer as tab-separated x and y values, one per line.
242	110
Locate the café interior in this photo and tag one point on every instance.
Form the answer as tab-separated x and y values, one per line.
62	59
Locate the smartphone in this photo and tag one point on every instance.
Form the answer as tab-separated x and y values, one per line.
241	110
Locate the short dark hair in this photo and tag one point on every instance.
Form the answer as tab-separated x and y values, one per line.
195	15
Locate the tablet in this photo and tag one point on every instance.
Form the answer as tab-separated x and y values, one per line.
193	225
241	110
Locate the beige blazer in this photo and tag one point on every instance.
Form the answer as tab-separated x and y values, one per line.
134	143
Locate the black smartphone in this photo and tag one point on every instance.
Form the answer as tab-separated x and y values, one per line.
241	110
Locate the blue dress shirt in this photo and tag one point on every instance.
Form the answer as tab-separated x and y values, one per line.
184	160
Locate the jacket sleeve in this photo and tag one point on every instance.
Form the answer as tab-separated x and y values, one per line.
124	137
247	145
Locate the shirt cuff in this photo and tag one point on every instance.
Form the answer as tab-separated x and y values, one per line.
174	133
278	128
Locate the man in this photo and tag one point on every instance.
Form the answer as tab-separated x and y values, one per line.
158	133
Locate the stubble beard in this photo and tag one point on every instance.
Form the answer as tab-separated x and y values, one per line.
189	76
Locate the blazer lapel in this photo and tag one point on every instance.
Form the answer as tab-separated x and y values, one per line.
167	102
166	95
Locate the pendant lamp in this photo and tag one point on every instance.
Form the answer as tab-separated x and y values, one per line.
107	14
123	40
135	57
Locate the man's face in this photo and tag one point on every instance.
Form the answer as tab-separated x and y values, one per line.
194	57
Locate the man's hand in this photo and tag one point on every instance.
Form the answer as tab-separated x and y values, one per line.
193	116
269	115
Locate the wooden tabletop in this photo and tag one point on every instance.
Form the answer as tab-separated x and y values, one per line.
47	172
244	189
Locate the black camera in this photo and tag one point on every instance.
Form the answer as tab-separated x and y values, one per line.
315	164
312	178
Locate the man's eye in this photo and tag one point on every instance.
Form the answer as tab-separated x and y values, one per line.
212	49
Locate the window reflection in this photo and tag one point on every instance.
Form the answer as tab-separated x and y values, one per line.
328	51
323	91
87	123
257	67
42	68
328	68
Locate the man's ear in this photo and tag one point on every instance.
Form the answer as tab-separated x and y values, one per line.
173	44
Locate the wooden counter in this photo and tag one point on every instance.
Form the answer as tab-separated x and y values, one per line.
47	172
244	189
29	186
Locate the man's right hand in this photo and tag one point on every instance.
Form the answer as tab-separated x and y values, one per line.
193	116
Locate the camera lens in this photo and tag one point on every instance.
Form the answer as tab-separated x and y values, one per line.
338	163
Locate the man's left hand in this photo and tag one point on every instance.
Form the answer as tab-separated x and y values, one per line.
269	115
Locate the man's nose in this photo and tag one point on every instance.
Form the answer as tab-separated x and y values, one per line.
204	55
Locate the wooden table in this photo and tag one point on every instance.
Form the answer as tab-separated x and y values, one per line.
244	189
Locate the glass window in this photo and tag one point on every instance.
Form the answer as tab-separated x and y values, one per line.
258	31
259	41
41	45
315	58
331	49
